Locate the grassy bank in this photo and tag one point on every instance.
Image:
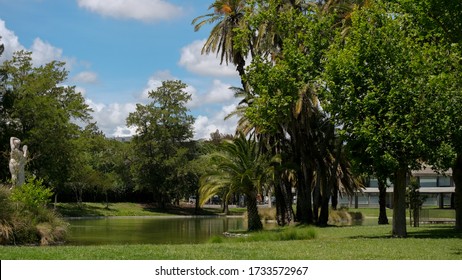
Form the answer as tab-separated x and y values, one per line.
341	243
88	209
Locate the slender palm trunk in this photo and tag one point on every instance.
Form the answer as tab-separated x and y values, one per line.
457	176
225	204
324	200
330	181
399	204
254	221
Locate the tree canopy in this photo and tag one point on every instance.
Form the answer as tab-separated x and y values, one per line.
163	127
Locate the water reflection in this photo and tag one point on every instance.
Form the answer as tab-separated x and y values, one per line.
149	230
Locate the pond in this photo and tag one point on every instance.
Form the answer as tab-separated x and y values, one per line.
149	230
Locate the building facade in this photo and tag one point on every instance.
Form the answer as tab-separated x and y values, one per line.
437	190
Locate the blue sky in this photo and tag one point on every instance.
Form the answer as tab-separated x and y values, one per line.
118	50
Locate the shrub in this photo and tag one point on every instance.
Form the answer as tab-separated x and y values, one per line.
341	216
25	218
6	212
33	195
284	234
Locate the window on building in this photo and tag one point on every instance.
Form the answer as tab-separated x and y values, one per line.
428	182
444	181
373	183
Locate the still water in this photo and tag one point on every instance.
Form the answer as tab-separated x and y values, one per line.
149	230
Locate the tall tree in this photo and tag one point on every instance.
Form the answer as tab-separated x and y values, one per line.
441	23
284	101
284	44
163	127
386	88
42	113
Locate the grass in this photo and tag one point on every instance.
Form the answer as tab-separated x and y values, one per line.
87	209
338	243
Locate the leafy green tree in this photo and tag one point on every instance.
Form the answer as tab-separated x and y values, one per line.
386	91
285	102
42	113
163	128
440	22
95	167
237	167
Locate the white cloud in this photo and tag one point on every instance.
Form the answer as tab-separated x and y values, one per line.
219	93
86	77
111	118
42	52
206	65
154	82
82	90
10	41
205	125
143	10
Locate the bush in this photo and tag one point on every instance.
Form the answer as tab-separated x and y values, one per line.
25	218
339	217
6	212
32	196
284	234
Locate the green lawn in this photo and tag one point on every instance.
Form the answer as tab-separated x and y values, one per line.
340	243
91	209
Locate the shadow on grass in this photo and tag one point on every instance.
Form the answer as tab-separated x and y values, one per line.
81	210
434	232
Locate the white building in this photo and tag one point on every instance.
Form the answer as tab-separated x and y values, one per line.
437	189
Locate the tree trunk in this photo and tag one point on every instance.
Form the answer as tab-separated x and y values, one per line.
323	198
304	213
330	180
254	221
334	198
317	198
283	193
324	215
383	219
457	177
399	204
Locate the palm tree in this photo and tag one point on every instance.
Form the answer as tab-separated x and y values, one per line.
228	15
238	167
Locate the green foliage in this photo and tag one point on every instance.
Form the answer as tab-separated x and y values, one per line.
161	147
25	218
42	112
280	81
283	234
33	195
391	91
388	89
237	167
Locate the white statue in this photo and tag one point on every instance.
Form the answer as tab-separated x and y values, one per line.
17	161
